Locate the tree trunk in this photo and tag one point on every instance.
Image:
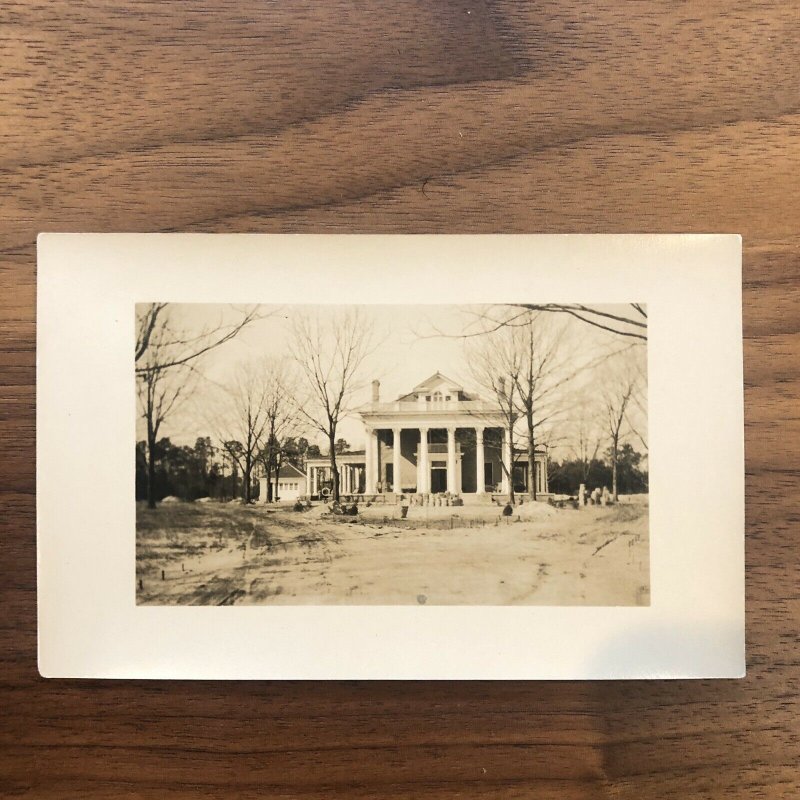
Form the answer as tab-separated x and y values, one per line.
151	474
278	464
247	488
151	457
334	469
531	457
510	434
614	472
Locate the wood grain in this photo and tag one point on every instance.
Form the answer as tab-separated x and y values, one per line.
412	117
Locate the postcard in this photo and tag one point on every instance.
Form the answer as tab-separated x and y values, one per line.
390	457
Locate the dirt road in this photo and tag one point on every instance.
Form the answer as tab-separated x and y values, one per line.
211	554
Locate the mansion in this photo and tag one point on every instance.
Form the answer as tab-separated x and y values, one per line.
437	438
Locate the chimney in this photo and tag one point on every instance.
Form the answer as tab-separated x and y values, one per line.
376	391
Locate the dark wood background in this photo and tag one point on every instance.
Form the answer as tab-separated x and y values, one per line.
226	115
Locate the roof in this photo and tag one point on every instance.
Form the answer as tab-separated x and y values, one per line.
350	457
437	379
290	471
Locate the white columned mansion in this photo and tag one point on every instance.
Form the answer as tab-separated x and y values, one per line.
437	438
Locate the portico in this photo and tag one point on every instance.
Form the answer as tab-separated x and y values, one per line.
440	438
433	458
436	439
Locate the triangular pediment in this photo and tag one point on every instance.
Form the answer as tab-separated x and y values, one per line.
438	381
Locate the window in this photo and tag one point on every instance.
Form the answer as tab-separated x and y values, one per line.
437	397
428	397
448	397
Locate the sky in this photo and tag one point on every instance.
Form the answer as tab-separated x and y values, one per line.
413	342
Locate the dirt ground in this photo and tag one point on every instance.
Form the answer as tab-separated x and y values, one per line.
215	554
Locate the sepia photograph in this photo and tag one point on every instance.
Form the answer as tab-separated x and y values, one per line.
490	454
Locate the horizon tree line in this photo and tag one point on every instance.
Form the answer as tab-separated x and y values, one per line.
534	373
263	404
205	469
548	392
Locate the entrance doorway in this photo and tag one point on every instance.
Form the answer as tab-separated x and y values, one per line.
438	478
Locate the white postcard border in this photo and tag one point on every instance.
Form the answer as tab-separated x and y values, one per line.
89	623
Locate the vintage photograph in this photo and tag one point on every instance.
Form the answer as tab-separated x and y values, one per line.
392	454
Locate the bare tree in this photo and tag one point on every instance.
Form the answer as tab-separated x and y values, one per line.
637	418
282	418
166	356
242	419
160	392
546	356
330	354
525	365
632	324
546	366
587	433
622	384
158	330
497	363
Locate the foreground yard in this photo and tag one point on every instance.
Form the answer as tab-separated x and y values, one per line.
212	554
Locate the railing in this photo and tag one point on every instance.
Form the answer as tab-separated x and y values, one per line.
439	447
470	406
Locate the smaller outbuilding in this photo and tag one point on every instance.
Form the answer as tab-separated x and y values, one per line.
289	485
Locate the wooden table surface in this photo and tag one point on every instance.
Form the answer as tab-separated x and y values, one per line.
238	115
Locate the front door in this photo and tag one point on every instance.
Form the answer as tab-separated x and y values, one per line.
438	478
390	487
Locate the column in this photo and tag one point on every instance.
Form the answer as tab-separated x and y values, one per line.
376	463
506	486
423	470
396	459
309	487
452	485
480	477
369	465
